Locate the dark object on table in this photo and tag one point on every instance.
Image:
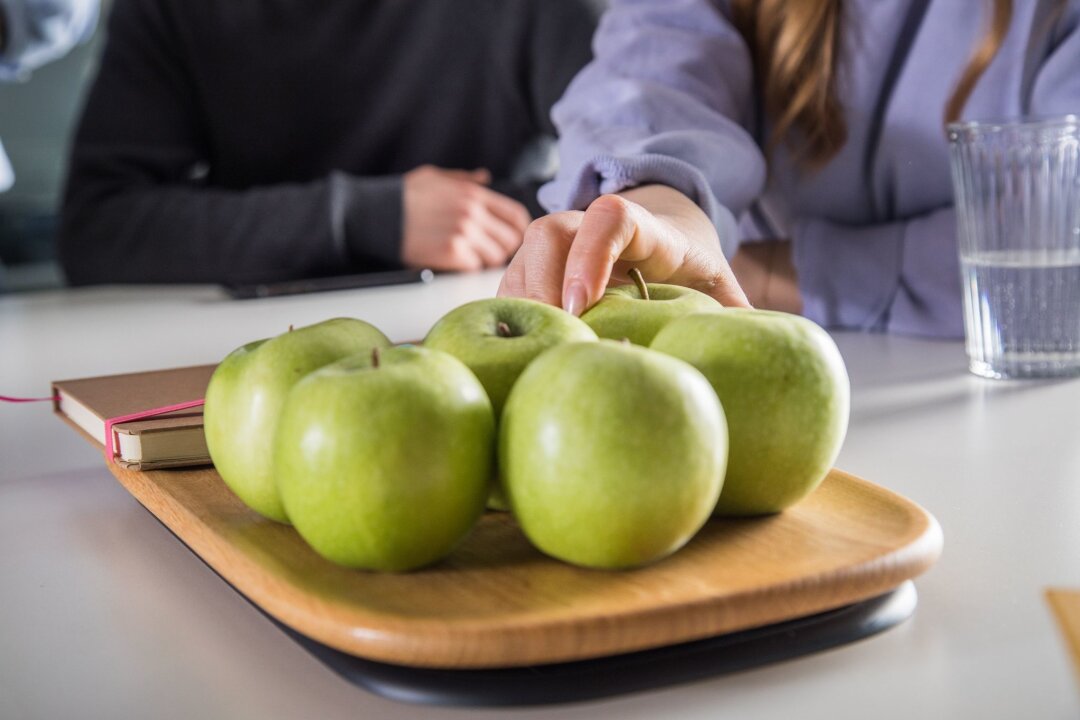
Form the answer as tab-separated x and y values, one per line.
620	674
324	284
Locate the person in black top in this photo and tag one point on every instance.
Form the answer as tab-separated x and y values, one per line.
261	140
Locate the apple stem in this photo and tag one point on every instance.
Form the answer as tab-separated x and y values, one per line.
374	357
636	276
290	327
503	330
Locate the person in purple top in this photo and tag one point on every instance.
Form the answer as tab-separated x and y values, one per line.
800	142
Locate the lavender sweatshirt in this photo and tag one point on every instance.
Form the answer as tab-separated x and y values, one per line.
670	99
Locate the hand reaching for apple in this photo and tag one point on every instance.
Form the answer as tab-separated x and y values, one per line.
569	258
453	222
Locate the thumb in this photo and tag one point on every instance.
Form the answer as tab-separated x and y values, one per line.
481	176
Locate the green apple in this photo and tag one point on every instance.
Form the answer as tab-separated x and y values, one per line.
383	459
638	312
611	455
786	395
246	393
496	338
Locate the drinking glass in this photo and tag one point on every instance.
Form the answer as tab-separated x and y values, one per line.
1017	188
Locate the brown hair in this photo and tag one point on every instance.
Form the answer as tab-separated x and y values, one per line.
795	48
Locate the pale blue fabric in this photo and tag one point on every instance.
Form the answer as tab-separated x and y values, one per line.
670	99
7	176
37	32
40	31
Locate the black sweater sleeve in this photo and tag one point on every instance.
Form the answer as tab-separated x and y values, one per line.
138	208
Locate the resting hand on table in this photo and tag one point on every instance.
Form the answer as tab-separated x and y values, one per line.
569	258
452	221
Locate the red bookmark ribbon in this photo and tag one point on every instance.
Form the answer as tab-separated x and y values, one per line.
111	441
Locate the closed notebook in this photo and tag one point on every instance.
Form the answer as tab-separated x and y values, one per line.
175	439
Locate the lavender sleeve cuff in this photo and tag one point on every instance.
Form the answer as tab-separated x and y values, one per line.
667	99
610	174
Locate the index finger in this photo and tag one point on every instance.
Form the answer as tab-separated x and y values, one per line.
536	271
607	231
547	244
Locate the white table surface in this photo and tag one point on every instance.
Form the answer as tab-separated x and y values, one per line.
103	614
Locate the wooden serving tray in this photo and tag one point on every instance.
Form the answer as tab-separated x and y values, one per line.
496	602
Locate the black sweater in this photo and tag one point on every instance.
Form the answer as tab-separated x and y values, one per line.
241	140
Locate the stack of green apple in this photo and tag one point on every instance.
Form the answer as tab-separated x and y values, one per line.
612	438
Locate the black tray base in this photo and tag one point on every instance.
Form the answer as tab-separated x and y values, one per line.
620	674
617	674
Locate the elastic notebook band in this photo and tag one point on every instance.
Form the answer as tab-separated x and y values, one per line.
7	398
110	444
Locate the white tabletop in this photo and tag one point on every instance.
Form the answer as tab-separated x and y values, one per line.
103	614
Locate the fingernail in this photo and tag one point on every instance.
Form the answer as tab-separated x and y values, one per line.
574	298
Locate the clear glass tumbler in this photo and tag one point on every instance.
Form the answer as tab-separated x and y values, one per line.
1017	187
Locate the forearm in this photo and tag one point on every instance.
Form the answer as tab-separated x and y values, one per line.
193	234
177	234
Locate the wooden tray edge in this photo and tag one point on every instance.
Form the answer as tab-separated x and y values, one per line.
617	634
